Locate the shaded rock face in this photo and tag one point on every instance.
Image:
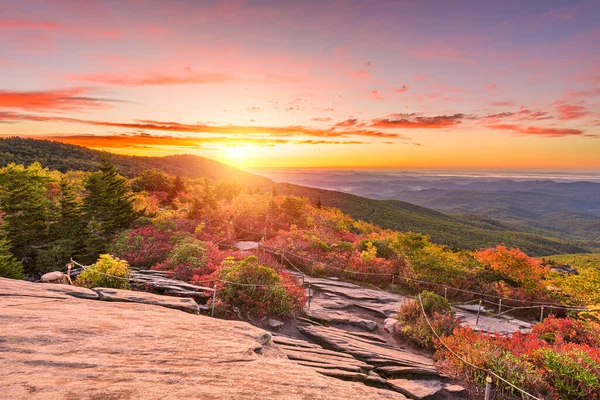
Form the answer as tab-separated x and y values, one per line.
55	345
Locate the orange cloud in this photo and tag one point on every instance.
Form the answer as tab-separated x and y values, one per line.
144	140
59	100
149	125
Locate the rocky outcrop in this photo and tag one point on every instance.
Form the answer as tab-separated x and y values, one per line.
183	304
337	302
54	344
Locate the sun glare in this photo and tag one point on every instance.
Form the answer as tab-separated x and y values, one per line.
236	155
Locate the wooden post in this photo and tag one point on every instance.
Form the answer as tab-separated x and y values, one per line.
488	387
445	292
542	314
500	307
309	296
69	266
478	312
212	313
392	281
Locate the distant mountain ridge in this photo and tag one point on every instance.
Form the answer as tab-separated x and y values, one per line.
459	231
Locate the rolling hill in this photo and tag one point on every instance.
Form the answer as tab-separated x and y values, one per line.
457	231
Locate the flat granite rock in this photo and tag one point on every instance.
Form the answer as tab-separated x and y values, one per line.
416	389
365	349
11	287
63	347
183	304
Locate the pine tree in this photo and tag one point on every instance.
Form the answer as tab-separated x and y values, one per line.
10	267
108	200
319	204
177	187
27	209
67	233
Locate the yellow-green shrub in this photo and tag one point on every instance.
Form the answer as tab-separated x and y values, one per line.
108	271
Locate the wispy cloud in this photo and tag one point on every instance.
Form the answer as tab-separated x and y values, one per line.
144	140
155	79
375	94
537	130
151	125
571	111
75	99
414	121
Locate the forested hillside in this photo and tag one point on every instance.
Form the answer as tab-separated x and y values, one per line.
63	157
466	232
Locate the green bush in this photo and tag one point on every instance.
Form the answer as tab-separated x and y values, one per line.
413	325
10	267
573	373
257	289
109	271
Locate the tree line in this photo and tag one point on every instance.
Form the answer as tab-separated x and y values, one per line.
49	217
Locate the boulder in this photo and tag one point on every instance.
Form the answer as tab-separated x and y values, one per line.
187	305
455	390
390	325
275	324
54	277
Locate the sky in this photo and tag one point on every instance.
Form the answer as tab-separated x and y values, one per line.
329	84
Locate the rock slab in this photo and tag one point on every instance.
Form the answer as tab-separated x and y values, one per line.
56	346
183	304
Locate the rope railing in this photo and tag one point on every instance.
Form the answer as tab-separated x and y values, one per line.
536	303
490	372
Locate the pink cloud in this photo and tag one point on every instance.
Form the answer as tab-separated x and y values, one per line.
153	79
376	95
538	130
359	74
502	103
415	121
401	89
570	111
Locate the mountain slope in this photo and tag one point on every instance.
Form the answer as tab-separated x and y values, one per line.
63	157
466	231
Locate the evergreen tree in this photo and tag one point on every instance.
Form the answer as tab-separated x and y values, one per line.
274	190
319	204
95	241
177	187
10	267
67	234
108	202
209	198
27	209
196	208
